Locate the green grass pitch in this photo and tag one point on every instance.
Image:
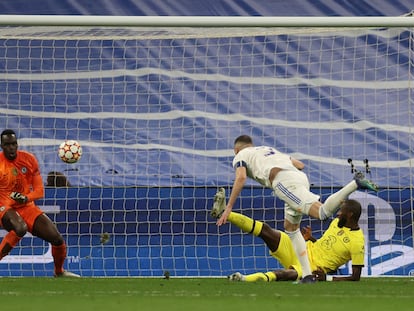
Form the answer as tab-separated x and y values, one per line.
199	294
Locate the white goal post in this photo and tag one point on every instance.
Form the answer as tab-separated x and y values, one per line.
207	21
156	103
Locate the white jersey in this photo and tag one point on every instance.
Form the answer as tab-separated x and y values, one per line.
259	160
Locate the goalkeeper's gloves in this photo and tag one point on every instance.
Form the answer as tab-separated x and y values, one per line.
18	197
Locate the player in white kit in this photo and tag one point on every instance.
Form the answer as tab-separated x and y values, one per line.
283	174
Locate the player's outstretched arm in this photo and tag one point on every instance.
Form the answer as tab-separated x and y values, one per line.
355	276
239	181
297	163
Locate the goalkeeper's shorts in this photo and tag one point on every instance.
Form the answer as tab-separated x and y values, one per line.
29	213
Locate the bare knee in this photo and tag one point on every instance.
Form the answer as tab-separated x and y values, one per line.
45	229
270	236
286	274
314	210
51	236
21	230
266	229
17	224
57	240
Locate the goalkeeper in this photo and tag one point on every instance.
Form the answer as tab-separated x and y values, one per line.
342	242
20	185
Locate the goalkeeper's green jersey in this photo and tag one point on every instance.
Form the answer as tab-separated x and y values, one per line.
336	247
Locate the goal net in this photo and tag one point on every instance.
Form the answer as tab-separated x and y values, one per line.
157	109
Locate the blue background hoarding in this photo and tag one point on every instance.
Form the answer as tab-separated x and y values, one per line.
152	230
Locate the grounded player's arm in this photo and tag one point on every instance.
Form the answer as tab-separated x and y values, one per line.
355	276
297	163
239	181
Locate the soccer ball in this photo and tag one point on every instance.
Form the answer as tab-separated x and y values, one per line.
70	151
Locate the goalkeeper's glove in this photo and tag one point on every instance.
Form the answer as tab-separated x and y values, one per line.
18	197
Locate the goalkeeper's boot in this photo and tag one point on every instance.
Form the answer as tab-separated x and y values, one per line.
236	277
364	183
67	274
219	203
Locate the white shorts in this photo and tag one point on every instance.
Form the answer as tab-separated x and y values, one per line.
293	188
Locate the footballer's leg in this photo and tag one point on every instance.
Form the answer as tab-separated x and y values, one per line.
16	227
286	255
219	204
254	277
281	248
270	236
270	276
331	204
45	229
246	224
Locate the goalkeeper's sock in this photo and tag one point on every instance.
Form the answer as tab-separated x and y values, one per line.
9	241
59	256
299	245
332	203
260	276
246	224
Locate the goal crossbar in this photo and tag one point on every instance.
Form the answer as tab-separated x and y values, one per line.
207	21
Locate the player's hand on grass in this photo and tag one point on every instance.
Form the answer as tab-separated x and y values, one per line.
319	274
18	197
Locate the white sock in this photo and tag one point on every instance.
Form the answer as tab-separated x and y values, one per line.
331	204
299	246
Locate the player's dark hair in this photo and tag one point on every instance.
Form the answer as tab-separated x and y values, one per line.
243	139
6	133
355	207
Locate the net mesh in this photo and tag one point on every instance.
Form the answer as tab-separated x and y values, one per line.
156	111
